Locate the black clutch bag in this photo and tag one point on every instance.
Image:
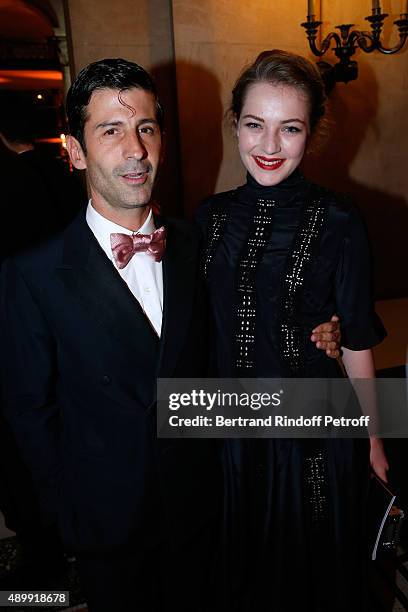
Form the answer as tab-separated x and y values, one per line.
385	518
391	532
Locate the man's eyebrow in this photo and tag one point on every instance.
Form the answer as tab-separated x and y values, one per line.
105	124
148	120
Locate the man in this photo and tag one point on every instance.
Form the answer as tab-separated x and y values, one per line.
86	337
90	320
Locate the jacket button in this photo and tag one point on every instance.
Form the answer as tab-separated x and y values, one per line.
105	380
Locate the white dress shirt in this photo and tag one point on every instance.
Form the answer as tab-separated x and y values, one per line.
143	275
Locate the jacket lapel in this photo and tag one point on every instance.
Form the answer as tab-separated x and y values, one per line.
179	280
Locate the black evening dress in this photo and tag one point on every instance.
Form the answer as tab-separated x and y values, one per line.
277	262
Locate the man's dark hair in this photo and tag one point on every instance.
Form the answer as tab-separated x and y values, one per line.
114	73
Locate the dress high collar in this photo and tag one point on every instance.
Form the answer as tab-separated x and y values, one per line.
283	192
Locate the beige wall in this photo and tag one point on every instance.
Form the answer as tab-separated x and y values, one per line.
367	151
137	30
213	40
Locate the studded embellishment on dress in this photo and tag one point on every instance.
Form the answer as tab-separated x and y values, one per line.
306	239
251	255
218	218
315	477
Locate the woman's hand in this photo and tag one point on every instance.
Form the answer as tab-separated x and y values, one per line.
378	460
327	337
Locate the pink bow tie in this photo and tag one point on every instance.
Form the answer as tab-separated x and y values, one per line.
125	246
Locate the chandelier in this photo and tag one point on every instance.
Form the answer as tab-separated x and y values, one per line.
347	41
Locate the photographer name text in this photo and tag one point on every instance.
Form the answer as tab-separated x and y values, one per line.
269	421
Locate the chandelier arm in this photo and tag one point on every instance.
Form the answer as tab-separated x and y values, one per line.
396	48
325	44
365	40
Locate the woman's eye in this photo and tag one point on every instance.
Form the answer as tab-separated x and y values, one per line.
252	125
291	129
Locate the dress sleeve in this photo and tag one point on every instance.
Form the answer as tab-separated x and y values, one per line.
361	328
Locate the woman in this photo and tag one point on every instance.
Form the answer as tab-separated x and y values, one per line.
282	254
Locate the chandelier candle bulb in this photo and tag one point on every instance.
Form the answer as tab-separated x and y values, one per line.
404	7
376	4
310	8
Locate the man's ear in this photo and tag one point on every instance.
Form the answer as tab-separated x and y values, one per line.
76	154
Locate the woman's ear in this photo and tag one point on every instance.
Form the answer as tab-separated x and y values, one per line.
76	153
235	123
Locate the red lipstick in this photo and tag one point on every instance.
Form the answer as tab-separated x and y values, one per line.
268	163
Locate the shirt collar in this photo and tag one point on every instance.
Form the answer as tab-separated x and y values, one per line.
102	228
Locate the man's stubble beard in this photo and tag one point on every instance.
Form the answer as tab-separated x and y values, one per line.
119	199
148	186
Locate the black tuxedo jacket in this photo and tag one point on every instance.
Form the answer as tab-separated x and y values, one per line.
80	367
